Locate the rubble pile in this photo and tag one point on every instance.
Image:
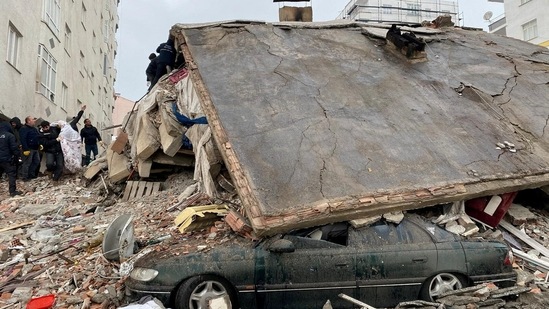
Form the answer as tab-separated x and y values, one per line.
51	239
51	244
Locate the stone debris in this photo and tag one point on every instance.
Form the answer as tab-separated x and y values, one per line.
51	242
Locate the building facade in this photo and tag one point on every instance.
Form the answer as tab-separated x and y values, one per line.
398	11
524	20
59	56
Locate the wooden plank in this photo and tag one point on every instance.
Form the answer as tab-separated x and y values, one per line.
531	242
135	187
128	190
148	188
16	226
141	189
156	187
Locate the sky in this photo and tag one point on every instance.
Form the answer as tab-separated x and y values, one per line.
144	24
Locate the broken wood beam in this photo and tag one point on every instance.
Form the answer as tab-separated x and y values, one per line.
16	226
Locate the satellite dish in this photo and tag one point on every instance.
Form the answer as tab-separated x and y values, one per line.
488	15
118	242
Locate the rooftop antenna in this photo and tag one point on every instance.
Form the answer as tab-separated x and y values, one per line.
487	16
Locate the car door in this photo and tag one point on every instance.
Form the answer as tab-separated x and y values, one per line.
392	262
316	271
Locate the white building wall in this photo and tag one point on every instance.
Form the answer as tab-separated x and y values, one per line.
399	11
518	14
83	76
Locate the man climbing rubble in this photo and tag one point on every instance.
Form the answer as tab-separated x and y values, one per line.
165	58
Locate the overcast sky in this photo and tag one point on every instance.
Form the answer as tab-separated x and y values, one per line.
146	23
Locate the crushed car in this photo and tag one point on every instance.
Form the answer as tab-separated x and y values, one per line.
383	264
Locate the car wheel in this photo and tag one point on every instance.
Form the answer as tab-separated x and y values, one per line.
197	292
439	284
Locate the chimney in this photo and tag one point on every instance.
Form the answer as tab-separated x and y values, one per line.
294	13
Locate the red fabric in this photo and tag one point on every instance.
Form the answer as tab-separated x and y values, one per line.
179	75
475	208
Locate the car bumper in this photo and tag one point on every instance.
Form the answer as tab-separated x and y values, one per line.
136	293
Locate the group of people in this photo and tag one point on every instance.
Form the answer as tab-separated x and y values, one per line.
22	147
166	60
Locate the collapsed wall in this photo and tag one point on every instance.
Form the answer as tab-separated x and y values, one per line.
320	123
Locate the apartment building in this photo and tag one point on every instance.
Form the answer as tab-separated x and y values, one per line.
524	20
398	11
59	56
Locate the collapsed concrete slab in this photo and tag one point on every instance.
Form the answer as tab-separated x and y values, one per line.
320	123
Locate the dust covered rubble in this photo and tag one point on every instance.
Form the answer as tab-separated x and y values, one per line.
51	243
51	239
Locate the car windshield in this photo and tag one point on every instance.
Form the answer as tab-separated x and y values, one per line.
336	233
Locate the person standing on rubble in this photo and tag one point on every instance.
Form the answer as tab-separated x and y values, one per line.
9	151
50	143
165	58
71	145
29	146
151	69
90	136
74	121
15	127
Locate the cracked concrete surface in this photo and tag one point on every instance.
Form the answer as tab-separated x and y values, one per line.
329	123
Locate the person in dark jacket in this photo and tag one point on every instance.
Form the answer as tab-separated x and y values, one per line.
50	143
151	68
166	57
15	127
74	121
9	151
29	147
90	136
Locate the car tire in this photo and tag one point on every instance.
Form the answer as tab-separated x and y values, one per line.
440	283
196	292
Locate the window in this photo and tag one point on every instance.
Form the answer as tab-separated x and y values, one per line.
83	19
387	9
68	38
14	44
51	15
105	64
413	9
530	30
106	27
47	74
64	96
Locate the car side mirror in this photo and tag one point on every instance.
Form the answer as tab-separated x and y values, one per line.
281	246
